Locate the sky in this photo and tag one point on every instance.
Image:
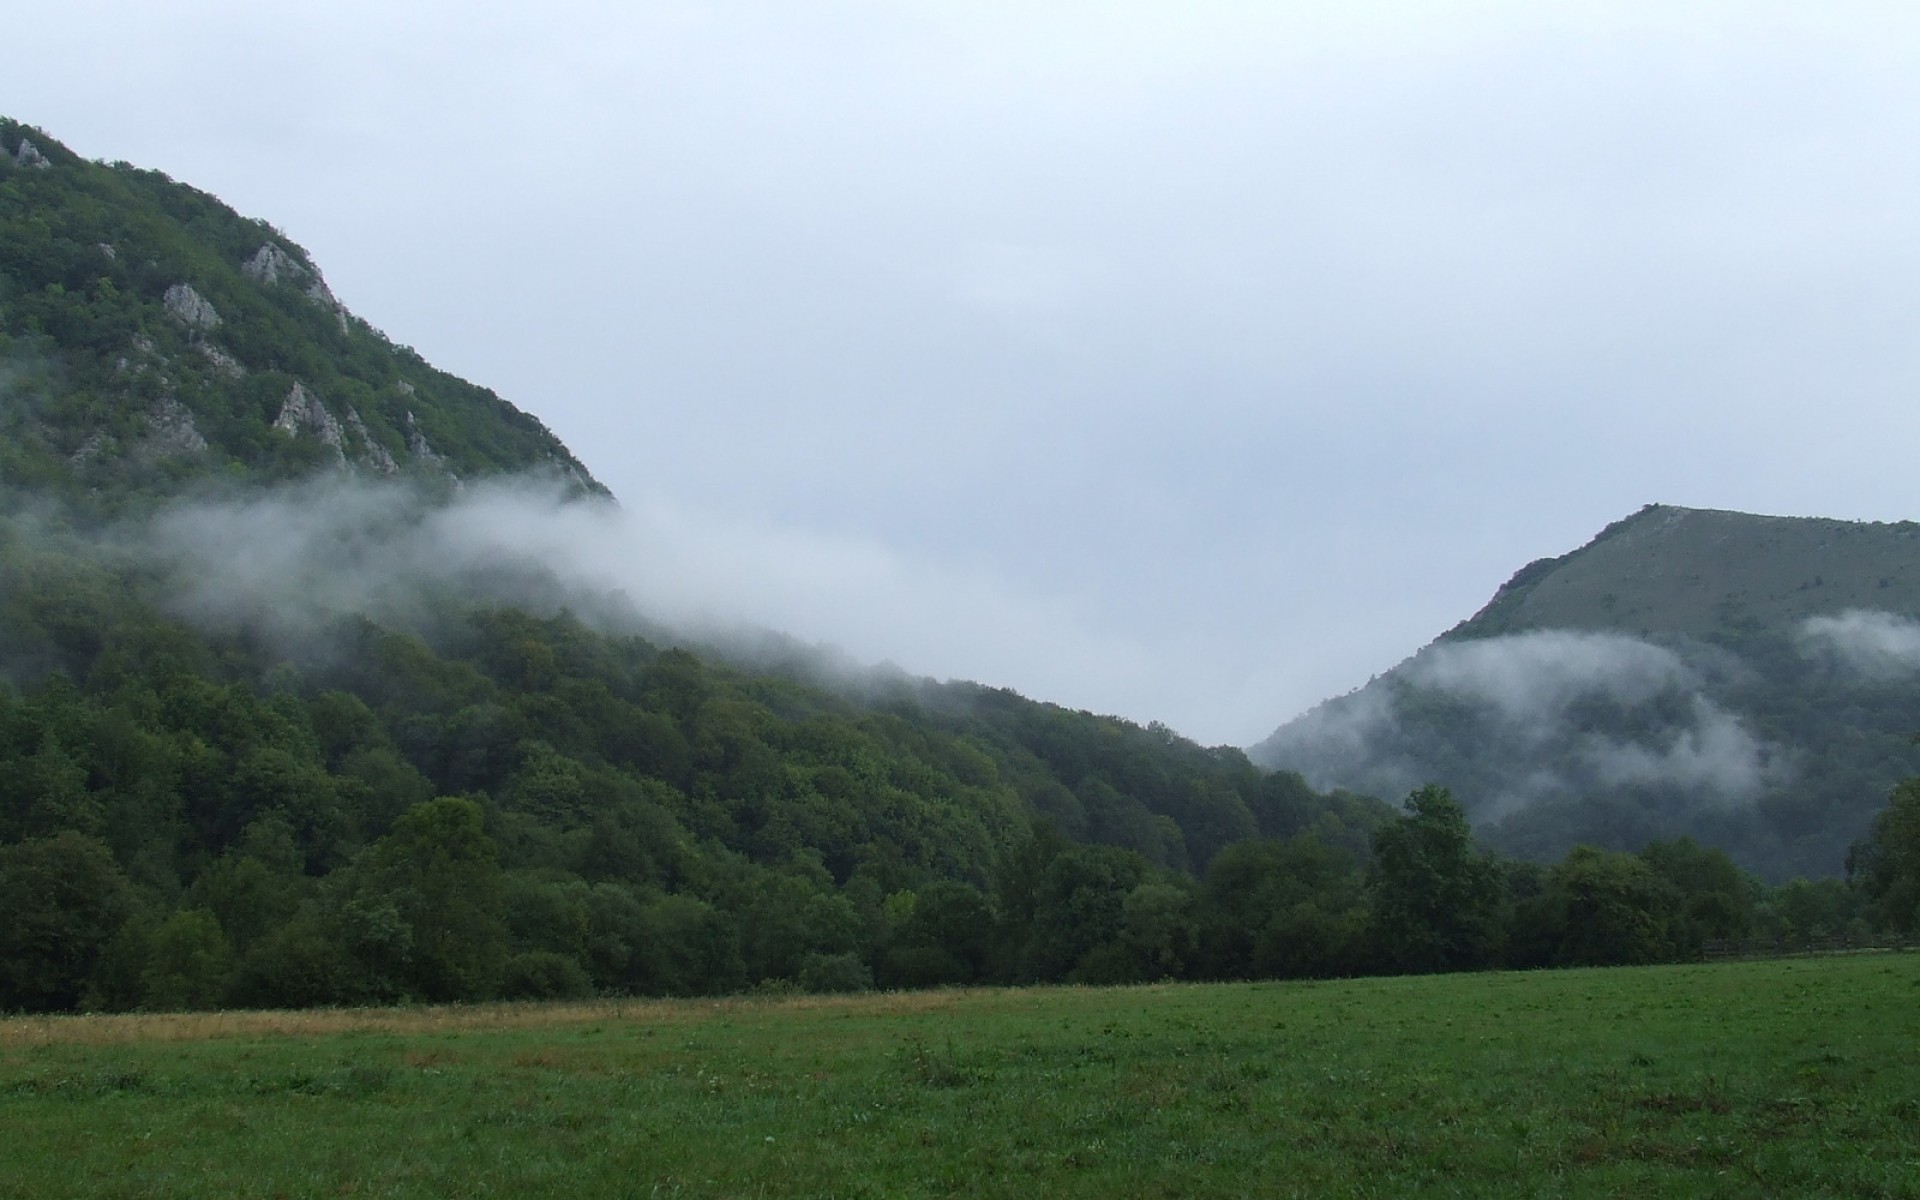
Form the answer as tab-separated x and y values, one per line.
1191	362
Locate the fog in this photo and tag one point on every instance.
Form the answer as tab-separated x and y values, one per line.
283	563
1544	716
1193	361
1873	645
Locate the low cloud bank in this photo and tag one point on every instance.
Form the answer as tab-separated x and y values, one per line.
1546	716
1870	644
284	563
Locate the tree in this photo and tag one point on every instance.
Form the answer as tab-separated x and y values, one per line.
440	871
1602	908
189	962
1281	909
1435	898
686	948
946	938
1886	863
1081	909
63	898
1716	898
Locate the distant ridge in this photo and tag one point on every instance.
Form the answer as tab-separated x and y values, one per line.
1703	571
1751	681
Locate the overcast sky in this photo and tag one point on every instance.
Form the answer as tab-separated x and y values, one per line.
1189	361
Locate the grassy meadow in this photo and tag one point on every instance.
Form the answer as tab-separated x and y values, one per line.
1784	1078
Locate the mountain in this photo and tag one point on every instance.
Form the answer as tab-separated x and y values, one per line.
1751	681
156	342
295	709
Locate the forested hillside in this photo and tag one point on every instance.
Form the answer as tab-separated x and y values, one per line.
152	339
465	789
1752	682
268	738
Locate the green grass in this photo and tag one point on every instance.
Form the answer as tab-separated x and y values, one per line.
1795	1078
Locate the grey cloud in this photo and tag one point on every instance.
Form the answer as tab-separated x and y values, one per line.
1241	345
1876	645
1531	678
285	563
1713	754
1526	707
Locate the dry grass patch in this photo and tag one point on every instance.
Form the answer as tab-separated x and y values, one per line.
129	1028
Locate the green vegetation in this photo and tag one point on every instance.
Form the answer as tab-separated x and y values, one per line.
1697	706
492	803
496	786
1709	574
151	340
1792	1078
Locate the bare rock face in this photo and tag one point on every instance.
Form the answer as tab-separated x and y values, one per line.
372	453
417	442
97	445
167	431
170	432
271	264
144	356
222	362
28	155
304	414
191	308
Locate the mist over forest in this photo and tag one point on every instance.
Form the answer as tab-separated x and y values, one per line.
327	677
1745	681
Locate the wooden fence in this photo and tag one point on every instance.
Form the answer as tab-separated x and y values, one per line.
1775	947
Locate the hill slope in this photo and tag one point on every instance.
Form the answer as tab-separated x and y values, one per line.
1706	573
153	341
285	719
1749	680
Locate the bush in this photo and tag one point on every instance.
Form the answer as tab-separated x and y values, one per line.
835	973
544	975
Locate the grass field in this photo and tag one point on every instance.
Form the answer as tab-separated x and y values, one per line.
1788	1078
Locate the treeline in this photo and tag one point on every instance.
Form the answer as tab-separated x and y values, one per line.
491	802
495	803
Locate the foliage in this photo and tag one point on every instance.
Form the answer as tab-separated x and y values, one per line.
1792	1078
1435	897
1887	863
463	800
110	398
1723	600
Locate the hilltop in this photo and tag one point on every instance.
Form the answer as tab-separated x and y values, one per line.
155	342
1749	680
1708	573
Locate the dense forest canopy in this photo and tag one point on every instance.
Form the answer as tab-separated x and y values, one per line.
246	760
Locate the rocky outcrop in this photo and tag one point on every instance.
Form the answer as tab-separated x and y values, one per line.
197	313
302	413
349	439
190	308
144	355
222	362
28	155
97	445
272	265
166	431
170	432
372	453
417	443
